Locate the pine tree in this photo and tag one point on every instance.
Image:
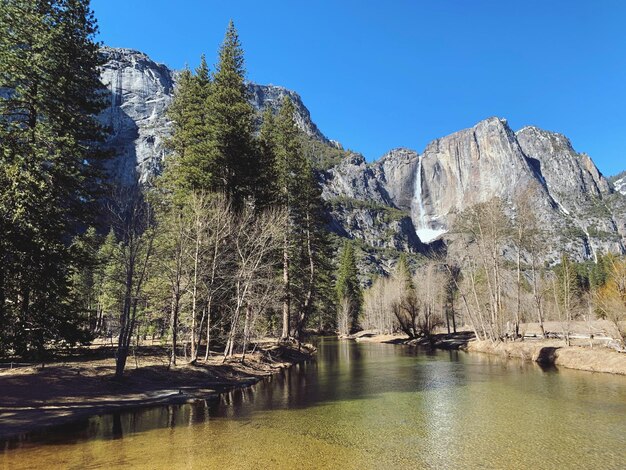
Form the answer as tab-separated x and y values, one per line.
49	165
85	276
403	274
266	184
232	153
286	178
190	168
348	286
288	161
313	247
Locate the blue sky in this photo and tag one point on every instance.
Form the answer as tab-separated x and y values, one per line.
377	75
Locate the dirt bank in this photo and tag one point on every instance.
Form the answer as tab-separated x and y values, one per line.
35	397
580	355
597	359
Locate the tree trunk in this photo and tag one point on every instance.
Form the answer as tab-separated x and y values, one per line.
287	299
207	353
306	310
194	295
246	332
537	297
453	317
199	335
174	324
122	351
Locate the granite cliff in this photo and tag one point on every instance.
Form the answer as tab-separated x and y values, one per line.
140	91
404	200
619	183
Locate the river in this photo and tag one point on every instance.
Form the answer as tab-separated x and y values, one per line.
363	405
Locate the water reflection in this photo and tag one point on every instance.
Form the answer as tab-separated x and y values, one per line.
368	405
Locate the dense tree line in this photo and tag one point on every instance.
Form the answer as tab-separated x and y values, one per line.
49	167
229	244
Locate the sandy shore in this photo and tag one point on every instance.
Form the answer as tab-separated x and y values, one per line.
547	351
597	359
35	397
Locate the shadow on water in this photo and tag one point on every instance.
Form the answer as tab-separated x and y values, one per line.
115	425
547	355
343	371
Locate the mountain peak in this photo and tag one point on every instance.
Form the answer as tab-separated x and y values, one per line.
140	91
555	139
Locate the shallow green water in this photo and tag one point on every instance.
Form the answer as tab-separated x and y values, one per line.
364	406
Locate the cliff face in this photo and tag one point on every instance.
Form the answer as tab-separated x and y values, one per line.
574	203
469	167
271	96
140	91
620	185
404	199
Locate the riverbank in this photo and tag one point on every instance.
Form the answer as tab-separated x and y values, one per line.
580	355
35	397
554	352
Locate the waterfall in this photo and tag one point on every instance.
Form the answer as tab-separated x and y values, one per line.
422	226
417	197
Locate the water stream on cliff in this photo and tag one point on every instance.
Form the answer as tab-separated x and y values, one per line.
363	405
422	227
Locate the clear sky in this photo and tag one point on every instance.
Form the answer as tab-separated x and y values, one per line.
399	73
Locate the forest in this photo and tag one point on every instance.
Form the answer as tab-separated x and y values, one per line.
230	243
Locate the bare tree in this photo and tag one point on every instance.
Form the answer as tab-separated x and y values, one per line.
430	291
610	298
210	227
256	240
377	307
133	225
407	310
487	227
529	242
219	252
343	316
566	295
173	246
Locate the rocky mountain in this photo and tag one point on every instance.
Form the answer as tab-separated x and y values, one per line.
619	182
571	198
404	201
140	91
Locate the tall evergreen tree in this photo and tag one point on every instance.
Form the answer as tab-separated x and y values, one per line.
85	277
348	286
232	153
403	273
49	165
286	178
266	183
287	161
190	167
313	247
